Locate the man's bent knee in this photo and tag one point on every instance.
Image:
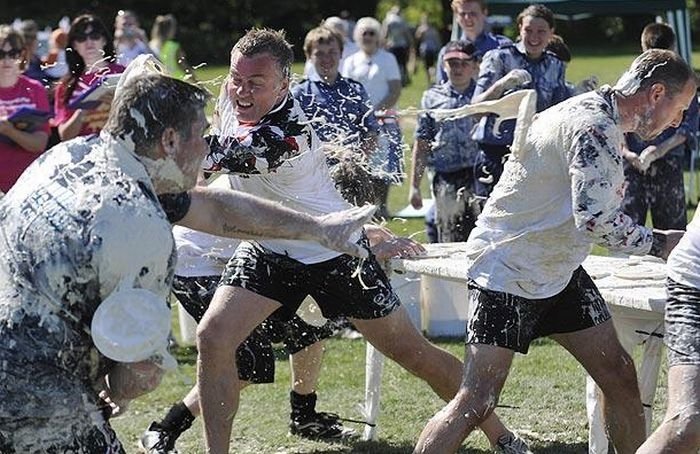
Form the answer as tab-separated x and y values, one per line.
476	405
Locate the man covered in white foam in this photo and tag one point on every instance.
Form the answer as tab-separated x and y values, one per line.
560	193
89	224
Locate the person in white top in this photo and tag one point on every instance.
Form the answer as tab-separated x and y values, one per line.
560	193
264	133
377	70
680	430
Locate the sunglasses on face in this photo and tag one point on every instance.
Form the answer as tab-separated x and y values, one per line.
93	36
368	33
12	53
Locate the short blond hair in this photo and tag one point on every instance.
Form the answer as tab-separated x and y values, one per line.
456	3
321	35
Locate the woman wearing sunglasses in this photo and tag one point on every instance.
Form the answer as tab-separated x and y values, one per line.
90	57
20	143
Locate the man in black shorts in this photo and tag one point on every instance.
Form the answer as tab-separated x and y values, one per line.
561	191
265	134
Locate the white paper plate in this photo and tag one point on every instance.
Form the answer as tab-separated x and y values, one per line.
639	272
131	325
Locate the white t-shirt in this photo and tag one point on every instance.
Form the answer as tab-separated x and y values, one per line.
301	182
561	194
199	253
684	262
373	72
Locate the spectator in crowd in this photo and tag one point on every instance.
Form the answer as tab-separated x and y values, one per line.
560	193
19	145
338	108
447	148
509	68
377	70
33	67
654	169
398	39
77	249
55	62
558	47
349	20
130	39
472	16
349	46
168	50
428	39
90	57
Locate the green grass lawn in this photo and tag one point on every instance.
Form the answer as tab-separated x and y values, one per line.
543	398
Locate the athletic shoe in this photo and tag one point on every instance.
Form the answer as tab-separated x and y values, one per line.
512	444
320	426
157	440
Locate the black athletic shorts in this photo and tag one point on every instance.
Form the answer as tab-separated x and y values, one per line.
512	322
335	285
255	357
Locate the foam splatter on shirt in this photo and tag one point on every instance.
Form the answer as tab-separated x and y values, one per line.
80	221
558	197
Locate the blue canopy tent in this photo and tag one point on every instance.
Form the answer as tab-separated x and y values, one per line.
675	13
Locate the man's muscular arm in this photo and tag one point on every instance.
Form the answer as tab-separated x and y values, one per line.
235	214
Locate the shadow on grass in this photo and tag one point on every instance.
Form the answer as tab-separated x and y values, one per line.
559	448
185	355
383	447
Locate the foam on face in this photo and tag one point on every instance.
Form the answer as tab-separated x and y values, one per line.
167	173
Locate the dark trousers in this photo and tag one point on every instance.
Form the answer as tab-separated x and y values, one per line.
659	190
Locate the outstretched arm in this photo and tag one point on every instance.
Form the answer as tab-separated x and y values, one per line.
235	214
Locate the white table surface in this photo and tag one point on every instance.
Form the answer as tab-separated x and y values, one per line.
448	260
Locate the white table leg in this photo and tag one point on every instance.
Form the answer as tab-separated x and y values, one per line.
649	376
374	366
632	330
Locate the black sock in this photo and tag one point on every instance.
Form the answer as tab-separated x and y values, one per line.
303	405
178	419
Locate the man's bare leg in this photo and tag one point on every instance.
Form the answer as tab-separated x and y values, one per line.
680	430
439	368
232	315
306	368
600	353
486	368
